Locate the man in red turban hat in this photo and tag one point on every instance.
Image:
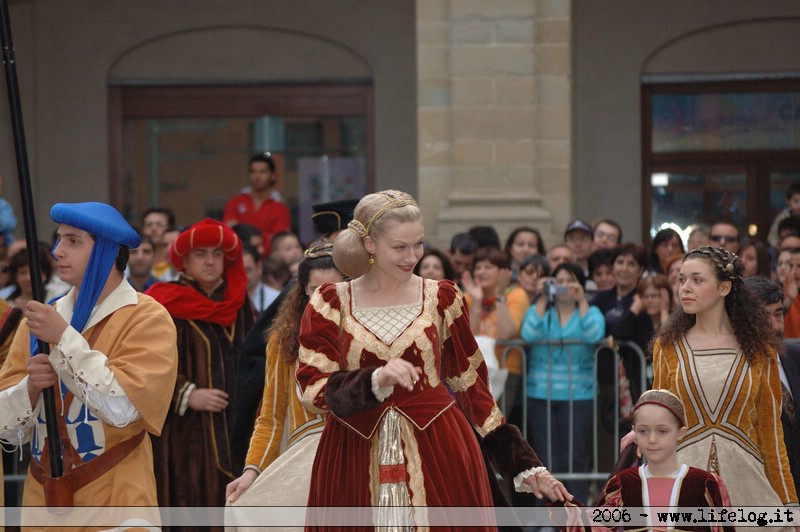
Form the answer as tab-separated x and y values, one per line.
193	458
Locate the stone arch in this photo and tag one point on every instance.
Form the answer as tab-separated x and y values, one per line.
753	45
239	54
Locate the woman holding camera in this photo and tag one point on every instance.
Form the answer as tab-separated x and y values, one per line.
563	329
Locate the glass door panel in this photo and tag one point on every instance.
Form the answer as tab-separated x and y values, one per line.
194	165
779	182
681	200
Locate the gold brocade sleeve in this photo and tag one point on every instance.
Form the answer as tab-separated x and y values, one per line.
660	369
268	431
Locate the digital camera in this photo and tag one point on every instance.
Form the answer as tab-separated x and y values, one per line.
551	289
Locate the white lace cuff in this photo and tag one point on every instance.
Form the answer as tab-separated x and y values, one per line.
519	481
380	392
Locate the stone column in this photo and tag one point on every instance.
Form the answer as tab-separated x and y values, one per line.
494	115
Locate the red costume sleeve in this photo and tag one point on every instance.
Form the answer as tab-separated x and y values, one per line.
611	496
463	367
319	348
464	370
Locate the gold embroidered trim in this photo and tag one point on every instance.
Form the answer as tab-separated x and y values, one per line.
324	308
394	499
378	422
369	342
713	458
317	360
453	313
414	337
374	464
310	395
462	382
312	426
211	384
494	420
705	419
416	478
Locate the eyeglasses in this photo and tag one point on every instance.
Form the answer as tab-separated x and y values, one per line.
724	238
602	235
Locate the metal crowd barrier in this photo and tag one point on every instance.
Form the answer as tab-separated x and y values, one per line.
606	345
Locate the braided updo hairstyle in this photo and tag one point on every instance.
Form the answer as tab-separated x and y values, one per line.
747	316
370	218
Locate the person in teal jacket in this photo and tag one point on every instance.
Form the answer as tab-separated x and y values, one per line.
563	330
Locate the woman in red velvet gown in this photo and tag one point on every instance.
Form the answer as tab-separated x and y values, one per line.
391	356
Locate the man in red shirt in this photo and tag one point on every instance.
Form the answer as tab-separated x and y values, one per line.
257	206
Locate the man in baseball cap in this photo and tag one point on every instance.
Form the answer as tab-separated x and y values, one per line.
578	238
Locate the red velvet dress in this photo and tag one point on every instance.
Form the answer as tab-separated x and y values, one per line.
691	488
419	443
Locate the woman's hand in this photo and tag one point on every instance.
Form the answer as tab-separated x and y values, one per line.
637	305
575	292
399	371
544	484
540	282
235	489
472	288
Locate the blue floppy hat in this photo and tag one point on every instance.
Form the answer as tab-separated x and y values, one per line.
97	218
110	231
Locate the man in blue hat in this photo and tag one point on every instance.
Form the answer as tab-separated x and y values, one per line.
113	361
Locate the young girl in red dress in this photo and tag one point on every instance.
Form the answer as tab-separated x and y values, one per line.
659	422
